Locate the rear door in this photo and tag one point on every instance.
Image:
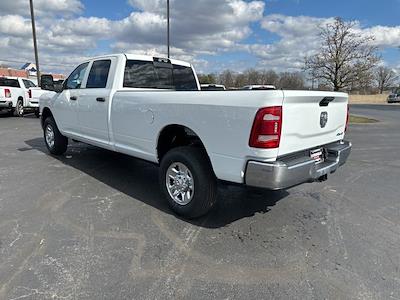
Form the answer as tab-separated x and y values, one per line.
94	100
311	119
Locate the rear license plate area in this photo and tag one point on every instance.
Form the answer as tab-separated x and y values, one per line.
317	155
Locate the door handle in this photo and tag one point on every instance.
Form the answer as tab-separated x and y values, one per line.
74	98
101	99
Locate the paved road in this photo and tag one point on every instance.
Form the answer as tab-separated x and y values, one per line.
92	225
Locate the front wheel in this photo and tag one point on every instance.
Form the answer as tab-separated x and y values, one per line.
188	181
56	143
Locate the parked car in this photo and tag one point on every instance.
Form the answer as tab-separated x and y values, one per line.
394	96
18	95
259	87
213	87
152	109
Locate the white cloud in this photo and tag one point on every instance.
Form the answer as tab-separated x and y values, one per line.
15	25
299	37
224	23
42	7
384	36
61	31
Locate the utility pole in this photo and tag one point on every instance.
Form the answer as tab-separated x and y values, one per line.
35	42
168	29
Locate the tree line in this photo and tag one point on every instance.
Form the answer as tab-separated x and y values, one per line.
231	79
346	61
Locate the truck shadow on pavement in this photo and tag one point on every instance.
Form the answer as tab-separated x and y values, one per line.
139	180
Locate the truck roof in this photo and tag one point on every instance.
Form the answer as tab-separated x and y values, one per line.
143	58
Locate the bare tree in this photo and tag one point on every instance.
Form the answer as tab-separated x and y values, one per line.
241	80
344	55
253	76
227	78
291	81
207	78
385	78
269	77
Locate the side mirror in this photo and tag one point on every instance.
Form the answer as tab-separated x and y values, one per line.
47	82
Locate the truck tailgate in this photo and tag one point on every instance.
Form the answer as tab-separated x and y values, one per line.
311	119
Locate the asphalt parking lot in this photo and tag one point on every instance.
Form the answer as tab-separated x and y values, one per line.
92	225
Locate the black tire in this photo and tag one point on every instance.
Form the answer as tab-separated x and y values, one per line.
205	183
60	142
19	108
37	113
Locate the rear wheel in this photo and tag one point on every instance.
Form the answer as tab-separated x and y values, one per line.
188	182
19	109
56	143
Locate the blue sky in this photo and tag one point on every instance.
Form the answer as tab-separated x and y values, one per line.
213	34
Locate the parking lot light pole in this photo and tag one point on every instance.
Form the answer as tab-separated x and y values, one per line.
35	42
168	29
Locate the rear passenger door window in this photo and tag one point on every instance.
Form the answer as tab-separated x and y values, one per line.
98	75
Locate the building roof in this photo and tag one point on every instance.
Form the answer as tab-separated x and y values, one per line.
25	66
13	73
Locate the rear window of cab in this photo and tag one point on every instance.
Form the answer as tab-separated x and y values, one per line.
148	74
9	82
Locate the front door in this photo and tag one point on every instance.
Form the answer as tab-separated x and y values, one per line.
66	104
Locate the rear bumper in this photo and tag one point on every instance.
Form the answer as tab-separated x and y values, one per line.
33	104
286	173
6	104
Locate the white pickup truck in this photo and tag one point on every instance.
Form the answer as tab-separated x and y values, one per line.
153	109
18	95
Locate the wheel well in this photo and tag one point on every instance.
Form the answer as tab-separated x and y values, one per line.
45	114
173	136
20	98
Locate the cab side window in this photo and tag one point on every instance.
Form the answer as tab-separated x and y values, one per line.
98	75
28	84
74	80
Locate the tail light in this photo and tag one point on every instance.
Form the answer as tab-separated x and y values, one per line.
348	117
30	93
267	126
7	93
